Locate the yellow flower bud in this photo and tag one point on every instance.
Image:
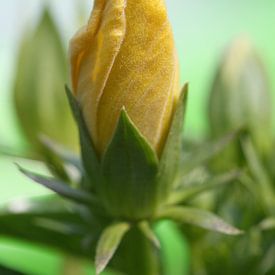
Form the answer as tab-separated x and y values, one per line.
125	57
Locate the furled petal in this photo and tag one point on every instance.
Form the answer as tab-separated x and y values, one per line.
126	56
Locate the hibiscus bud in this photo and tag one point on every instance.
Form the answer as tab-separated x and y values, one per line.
125	57
240	96
38	93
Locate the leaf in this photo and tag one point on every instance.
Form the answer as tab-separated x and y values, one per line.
267	224
129	168
47	221
170	157
198	217
149	233
59	152
60	188
263	182
184	194
53	161
108	244
89	157
205	152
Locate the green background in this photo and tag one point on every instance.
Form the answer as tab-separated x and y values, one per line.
202	29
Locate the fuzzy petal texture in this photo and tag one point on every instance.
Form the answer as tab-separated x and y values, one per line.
126	56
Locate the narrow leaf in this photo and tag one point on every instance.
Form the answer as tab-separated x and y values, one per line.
205	152
89	157
257	170
184	194
149	233
267	224
60	188
51	221
198	217
108	244
53	161
59	151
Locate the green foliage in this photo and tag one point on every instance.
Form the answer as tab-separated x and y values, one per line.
199	218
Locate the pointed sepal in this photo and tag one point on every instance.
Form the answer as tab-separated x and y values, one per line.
169	162
148	232
89	157
200	218
61	188
129	167
108	244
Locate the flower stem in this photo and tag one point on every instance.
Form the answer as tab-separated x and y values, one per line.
136	255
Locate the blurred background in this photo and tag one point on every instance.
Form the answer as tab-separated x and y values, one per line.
202	30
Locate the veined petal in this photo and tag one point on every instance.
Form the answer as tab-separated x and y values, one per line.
126	57
93	51
143	76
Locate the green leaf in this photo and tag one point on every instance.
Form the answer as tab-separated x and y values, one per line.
53	162
129	167
169	162
263	183
149	233
60	188
48	221
59	153
89	157
198	217
267	224
108	244
189	192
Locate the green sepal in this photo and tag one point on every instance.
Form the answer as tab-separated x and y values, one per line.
169	162
61	188
129	168
89	157
108	244
198	217
148	232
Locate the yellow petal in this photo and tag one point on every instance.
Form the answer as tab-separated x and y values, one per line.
126	57
93	51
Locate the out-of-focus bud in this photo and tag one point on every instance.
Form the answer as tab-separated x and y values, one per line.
125	57
39	97
240	96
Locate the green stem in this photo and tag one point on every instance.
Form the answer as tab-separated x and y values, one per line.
136	255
